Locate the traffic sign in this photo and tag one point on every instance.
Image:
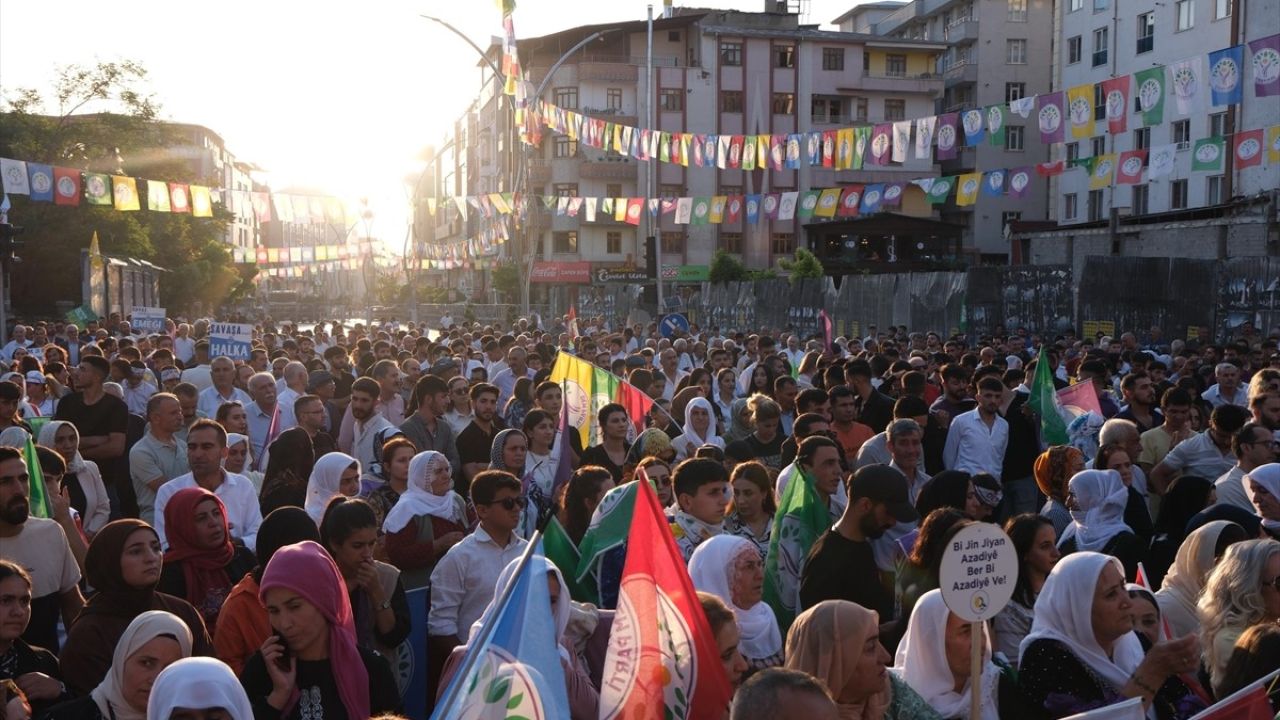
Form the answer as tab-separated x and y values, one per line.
673	324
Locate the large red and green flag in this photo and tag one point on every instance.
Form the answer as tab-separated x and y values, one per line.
610	524
560	550
800	520
663	661
1044	401
588	388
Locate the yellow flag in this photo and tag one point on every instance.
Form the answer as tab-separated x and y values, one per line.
201	201
1104	169
620	209
1273	144
125	192
95	253
967	187
844	148
1080	111
717	208
828	201
762	151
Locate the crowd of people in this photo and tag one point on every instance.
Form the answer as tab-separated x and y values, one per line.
193	536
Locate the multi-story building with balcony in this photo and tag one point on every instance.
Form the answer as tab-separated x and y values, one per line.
997	51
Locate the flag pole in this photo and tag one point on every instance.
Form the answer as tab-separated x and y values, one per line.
486	630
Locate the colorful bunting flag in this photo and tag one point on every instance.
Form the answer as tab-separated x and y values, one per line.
701	211
1049	117
97	189
1129	171
1266	65
1051	169
872	196
770	206
808	204
717	209
1248	148
125	193
1184	75
1226	76
1115	98
973	123
40	180
634	207
924	137
201	202
787	205
157	196
1206	156
828	201
993	183
1161	160
850	201
940	189
1102	171
735	209
66	186
881	144
1149	84
14	178
861	139
901	140
893	194
1080	111
997	117
946	130
1019	181
967	189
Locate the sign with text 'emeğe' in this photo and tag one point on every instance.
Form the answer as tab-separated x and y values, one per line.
233	340
147	319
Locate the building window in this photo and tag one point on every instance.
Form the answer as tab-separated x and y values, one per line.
1178	194
860	109
1185	12
673	242
565	147
564	243
1009	216
1098	146
1076	5
1017	10
565	189
1142	138
670	191
613	242
1100	5
1100	37
1013	137
1146	32
827	110
784	56
1221	9
613	98
784	103
1073	152
895	65
1014	91
1069	206
731	242
1095	205
613	190
833	58
731	53
1180	132
567	97
671	99
1140	200
783	244
1015	52
730	190
895	109
731	101
1218	125
1213	190
1074	45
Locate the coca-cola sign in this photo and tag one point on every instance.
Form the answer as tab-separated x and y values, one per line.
561	272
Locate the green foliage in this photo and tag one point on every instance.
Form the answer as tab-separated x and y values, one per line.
805	265
726	268
506	280
100	118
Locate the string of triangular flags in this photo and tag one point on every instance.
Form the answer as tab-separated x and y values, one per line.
71	187
1058	116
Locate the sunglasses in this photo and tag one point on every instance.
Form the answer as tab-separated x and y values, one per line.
510	503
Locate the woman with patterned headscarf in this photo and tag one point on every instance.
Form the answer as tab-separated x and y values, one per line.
1053	469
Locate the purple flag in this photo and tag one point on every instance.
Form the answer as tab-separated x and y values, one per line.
946	134
1266	65
881	143
893	195
1049	117
827	340
1019	181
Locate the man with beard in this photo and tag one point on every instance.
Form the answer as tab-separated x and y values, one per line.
369	423
841	565
476	440
40	546
103	421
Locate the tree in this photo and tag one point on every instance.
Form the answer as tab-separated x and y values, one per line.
805	265
726	268
506	280
101	119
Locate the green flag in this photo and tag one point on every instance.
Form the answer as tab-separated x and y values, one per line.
1148	86
1044	401
610	524
800	520
559	549
808	202
39	500
861	138
940	189
997	118
1207	154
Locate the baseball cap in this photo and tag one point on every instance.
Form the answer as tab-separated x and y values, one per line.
443	365
35	377
318	378
884	484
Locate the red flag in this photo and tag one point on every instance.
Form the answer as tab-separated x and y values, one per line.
828	148
634	208
1049	169
733	209
637	404
850	198
1131	164
66	186
662	660
735	152
179	198
1248	148
573	323
1115	98
1250	703
828	344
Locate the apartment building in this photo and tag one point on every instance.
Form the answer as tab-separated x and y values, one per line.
996	51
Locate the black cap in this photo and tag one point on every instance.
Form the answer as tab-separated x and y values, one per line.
318	378
884	484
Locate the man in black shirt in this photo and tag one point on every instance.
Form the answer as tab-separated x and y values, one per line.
841	565
103	421
475	442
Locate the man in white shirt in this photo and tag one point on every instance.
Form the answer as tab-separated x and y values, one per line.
137	391
794	352
1207	454
222	373
198	372
463	581
267	417
1253	445
183	346
206	450
295	377
18	340
977	439
1228	390
505	381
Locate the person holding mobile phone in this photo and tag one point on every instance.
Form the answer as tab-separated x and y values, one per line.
379	608
312	666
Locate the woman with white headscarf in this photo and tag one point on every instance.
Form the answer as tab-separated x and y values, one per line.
1082	653
198	683
153	641
584	699
699	429
1262	485
83	480
334	474
1096	500
729	567
427	520
1196	557
239	460
935	660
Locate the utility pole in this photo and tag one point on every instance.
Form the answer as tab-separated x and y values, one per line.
649	175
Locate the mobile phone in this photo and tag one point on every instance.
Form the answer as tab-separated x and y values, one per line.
282	661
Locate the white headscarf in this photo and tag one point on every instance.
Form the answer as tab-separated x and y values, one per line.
326	478
1064	612
1101	497
50	431
692	435
561	610
418	499
234	439
711	569
198	683
109	695
1180	592
1268	476
921	662
14	437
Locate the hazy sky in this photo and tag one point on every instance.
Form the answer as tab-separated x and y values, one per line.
321	93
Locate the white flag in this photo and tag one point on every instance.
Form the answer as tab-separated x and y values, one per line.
901	139
1186	79
787	206
590	204
1160	160
1023	106
924	137
1130	709
14	175
684	209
